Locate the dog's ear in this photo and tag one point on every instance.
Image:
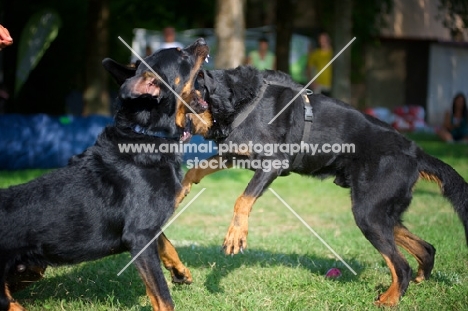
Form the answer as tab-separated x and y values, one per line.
119	72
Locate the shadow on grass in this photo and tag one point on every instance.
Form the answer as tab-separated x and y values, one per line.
97	282
221	265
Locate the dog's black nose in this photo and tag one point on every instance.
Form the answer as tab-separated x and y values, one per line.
201	41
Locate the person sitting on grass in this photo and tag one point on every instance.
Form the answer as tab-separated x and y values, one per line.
455	127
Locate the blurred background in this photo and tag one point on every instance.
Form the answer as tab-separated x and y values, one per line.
408	61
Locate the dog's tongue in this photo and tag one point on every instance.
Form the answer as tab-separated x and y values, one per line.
203	103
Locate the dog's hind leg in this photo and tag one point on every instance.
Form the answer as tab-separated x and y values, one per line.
378	203
171	261
422	251
377	227
149	267
236	237
195	175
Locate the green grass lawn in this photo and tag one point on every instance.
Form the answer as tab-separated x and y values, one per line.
284	265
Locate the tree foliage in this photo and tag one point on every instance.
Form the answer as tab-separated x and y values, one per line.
454	13
62	67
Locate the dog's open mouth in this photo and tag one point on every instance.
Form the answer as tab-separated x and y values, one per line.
187	134
200	103
152	88
198	94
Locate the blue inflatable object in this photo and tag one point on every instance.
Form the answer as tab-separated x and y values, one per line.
43	141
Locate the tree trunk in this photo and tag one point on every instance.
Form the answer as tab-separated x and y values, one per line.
341	85
285	10
96	94
229	30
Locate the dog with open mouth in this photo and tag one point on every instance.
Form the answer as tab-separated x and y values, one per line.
108	201
247	106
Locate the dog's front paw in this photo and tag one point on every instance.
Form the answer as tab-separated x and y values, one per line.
236	238
183	193
388	299
181	276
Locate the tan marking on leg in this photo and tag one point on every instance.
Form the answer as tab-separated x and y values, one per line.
14	306
414	246
392	296
177	80
157	302
195	175
244	205
171	261
236	237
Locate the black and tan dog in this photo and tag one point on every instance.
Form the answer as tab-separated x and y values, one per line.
381	170
107	201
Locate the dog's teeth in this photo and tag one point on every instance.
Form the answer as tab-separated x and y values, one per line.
206	59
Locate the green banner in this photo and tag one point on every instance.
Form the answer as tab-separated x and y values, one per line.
36	37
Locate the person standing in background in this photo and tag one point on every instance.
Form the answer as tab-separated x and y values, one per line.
262	58
317	60
169	34
5	38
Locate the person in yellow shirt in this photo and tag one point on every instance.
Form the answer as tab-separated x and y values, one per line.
317	60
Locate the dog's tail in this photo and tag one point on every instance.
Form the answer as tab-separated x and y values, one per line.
452	185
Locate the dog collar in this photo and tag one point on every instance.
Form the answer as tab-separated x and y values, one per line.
160	134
